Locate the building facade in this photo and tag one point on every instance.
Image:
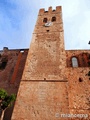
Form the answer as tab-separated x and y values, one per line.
12	62
55	82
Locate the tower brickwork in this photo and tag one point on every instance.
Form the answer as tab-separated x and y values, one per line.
55	81
11	72
43	88
46	56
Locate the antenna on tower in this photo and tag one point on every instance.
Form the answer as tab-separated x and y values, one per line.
89	42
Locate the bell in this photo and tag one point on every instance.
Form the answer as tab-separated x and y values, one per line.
89	42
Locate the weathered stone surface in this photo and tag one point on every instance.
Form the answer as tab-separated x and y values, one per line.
43	78
50	85
46	57
79	84
41	101
10	76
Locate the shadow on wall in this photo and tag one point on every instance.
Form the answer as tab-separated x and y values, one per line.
8	68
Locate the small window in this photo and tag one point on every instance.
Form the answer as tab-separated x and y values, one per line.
53	19
45	20
80	80
44	78
47	30
74	62
3	65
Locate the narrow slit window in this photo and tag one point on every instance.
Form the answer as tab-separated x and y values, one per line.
74	62
80	80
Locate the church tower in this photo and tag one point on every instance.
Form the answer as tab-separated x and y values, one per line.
43	93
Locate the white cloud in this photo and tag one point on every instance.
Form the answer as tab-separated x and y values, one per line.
78	27
17	25
85	27
70	8
84	30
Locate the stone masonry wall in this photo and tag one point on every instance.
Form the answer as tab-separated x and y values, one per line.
46	57
43	88
41	101
7	81
78	85
50	83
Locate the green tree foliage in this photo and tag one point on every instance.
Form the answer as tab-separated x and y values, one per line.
5	101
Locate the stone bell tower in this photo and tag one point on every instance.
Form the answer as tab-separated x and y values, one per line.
43	93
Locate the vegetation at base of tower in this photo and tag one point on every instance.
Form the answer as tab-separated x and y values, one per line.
5	101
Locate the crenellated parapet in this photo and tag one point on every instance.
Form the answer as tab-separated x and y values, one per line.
50	10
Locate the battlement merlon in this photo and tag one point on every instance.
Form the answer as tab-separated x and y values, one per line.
58	9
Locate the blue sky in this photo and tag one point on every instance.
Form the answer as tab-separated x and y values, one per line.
18	18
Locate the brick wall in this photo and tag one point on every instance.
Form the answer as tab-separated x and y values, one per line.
78	83
50	84
10	76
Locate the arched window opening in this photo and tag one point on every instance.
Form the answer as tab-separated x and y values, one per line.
45	20
53	19
74	62
4	65
54	10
